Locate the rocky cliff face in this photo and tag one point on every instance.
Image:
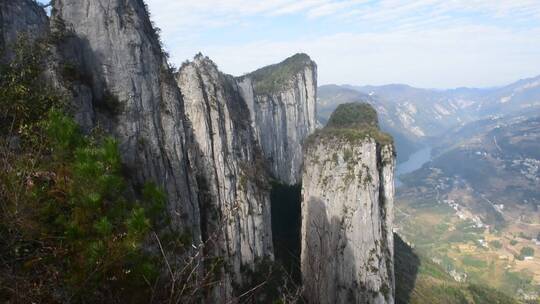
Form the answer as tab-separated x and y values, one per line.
209	145
109	62
347	202
282	101
116	53
234	190
22	17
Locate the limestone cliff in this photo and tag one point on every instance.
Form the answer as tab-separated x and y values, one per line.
234	190
205	153
282	101
208	139
17	18
117	54
347	202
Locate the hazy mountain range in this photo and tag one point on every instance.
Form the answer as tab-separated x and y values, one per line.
416	116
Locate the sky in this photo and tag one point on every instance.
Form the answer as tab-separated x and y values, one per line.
425	43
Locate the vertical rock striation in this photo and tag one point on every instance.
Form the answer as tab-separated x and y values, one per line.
209	148
108	59
282	101
133	94
347	202
234	190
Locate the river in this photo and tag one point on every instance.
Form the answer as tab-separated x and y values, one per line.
415	162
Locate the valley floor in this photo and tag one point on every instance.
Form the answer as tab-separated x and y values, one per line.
446	232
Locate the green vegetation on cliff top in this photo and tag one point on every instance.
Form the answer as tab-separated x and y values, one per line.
275	77
352	122
352	115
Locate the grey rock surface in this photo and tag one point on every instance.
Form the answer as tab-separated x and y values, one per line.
134	96
233	183
283	112
212	142
347	210
20	18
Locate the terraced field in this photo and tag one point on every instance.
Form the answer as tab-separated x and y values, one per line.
468	253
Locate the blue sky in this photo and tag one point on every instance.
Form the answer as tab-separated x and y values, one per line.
426	43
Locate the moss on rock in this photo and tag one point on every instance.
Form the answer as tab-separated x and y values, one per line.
275	77
353	115
352	122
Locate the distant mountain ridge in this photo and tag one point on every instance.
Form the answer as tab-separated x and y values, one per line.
458	105
416	116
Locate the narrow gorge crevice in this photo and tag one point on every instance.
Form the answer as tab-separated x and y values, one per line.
286	221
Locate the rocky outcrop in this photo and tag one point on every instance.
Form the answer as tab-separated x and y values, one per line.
233	186
282	101
116	52
18	18
347	202
214	146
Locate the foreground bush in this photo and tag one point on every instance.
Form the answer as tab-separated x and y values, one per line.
67	227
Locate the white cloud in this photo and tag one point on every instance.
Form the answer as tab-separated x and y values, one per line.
473	56
333	7
431	43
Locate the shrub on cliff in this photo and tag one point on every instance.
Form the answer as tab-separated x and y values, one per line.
353	115
68	229
275	77
23	98
352	122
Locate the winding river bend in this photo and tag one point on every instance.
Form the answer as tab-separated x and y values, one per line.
415	162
